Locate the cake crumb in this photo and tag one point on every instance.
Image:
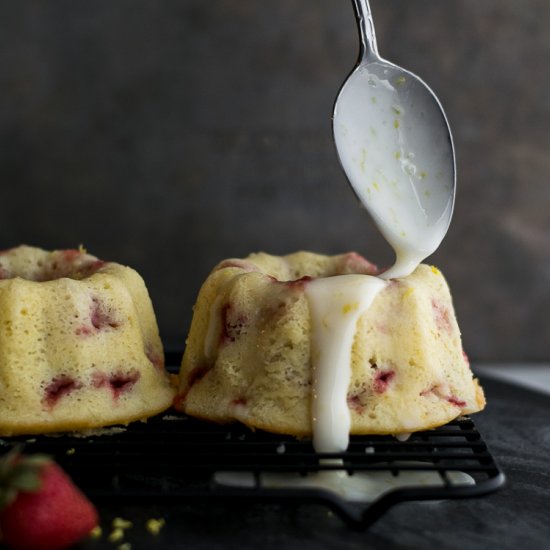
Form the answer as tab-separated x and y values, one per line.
121	523
96	532
125	546
116	535
170	417
114	430
92	432
155	525
71	451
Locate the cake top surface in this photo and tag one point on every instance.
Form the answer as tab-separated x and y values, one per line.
302	264
34	264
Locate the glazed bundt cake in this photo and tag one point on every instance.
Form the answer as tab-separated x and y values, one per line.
250	358
79	344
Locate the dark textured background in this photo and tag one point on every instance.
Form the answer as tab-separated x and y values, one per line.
168	135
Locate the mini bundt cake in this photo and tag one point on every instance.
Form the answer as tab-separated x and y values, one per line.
249	351
79	344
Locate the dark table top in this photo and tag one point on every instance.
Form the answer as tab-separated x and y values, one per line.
516	427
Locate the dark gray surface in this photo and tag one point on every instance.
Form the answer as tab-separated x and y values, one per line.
168	135
515	425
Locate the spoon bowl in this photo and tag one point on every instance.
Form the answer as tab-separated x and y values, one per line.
396	148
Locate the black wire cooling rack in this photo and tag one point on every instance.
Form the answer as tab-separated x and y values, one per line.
173	457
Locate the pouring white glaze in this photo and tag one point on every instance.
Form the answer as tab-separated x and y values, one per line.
335	304
396	149
395	146
359	487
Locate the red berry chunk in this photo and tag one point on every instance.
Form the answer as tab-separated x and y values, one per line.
298	284
233	323
455	401
197	374
70	254
57	388
92	267
118	383
155	358
179	400
102	317
442	316
355	263
382	380
355	402
239	401
442	394
76	263
84	330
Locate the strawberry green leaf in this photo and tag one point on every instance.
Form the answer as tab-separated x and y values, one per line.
7	496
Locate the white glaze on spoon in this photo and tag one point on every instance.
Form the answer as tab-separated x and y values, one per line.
395	146
396	154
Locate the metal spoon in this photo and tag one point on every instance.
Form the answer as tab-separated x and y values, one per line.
395	146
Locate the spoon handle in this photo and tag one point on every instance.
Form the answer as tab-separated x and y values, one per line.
363	15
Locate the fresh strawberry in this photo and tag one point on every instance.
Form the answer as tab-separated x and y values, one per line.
42	508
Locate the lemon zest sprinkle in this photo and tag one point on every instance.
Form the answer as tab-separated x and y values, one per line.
121	523
96	532
155	525
116	535
349	307
408	293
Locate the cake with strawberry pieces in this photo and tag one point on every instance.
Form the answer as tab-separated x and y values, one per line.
79	344
249	351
